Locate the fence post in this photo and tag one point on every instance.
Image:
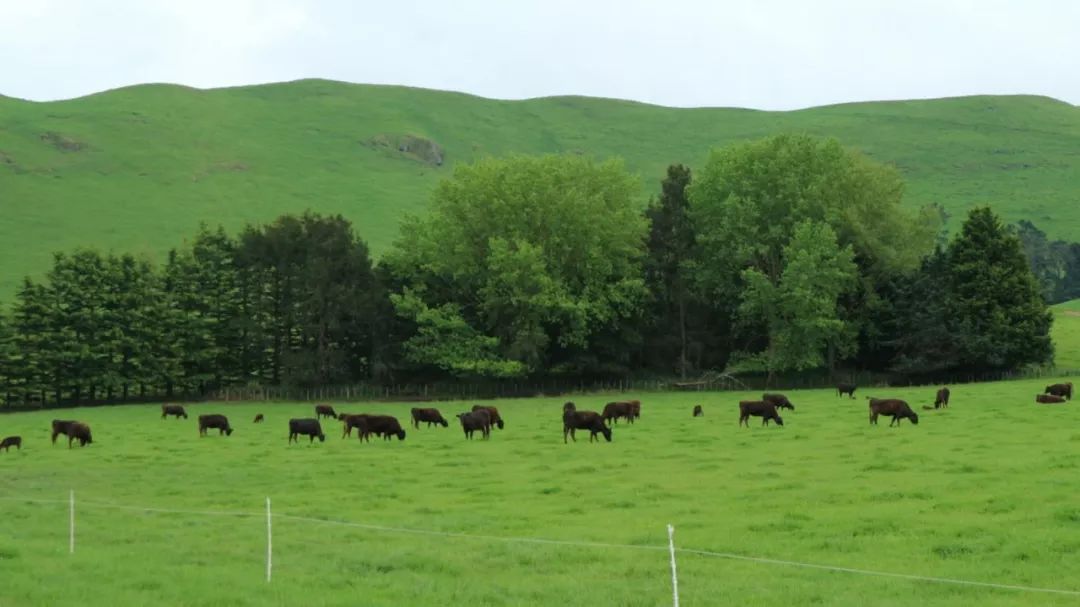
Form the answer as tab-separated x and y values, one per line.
269	541
71	523
674	576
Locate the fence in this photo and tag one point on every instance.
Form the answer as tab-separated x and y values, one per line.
669	548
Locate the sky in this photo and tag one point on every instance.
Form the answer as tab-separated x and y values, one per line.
765	54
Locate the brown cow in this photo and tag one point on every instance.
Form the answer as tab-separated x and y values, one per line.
476	420
569	407
61	426
308	427
431	416
758	408
698	412
613	411
324	411
893	407
584	420
635	409
1065	390
175	410
942	399
778	400
1049	399
259	418
496	419
350	421
385	426
11	441
80	432
849	389
220	422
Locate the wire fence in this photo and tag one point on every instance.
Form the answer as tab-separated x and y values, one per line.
670	547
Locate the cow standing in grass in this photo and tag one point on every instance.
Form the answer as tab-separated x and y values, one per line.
61	426
80	432
308	427
476	420
778	400
1063	390
322	411
583	420
941	400
698	411
219	422
849	389
11	441
758	408
493	412
613	411
892	407
386	426
174	410
350	421
430	416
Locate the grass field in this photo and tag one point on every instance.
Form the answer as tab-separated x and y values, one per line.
984	491
137	169
1066	334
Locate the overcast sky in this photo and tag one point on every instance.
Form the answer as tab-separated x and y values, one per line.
769	54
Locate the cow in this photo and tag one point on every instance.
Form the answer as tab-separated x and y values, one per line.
584	420
11	441
635	409
382	425
849	389
214	421
778	400
613	411
476	420
175	410
941	400
325	411
569	407
1049	399
350	421
431	416
308	427
758	408
496	419
698	412
258	418
80	432
1064	390
893	407
61	426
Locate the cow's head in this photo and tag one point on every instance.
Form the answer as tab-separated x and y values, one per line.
914	417
443	422
322	437
607	433
779	420
401	435
228	431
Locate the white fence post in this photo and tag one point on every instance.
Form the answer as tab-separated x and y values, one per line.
674	576
269	541
71	523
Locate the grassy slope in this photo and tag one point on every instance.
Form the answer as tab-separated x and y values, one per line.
1066	334
983	491
158	159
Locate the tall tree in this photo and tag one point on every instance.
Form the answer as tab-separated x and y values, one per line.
996	310
32	368
541	254
7	360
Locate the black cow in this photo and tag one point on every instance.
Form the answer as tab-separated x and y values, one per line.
569	406
431	416
613	411
350	421
1064	390
61	426
698	412
175	410
258	418
214	421
635	409
758	408
496	419
80	432
308	427
385	426
584	420
941	400
476	420
1049	399
324	411
11	441
893	407
778	400
849	389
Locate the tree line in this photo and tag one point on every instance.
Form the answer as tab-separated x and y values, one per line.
783	254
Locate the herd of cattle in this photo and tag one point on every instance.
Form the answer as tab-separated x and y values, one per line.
482	418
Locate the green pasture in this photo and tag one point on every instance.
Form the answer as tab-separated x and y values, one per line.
1066	335
984	491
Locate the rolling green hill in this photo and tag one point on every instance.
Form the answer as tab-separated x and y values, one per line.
1066	334
136	169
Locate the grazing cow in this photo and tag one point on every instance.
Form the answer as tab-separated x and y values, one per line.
893	407
758	408
350	421
1065	390
849	389
698	412
80	432
214	421
61	426
613	411
308	427
431	416
635	409
175	410
778	400
325	411
259	418
476	420
584	420
1049	399
11	441
496	419
942	399
385	426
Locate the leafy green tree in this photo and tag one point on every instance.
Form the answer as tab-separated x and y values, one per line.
996	310
543	254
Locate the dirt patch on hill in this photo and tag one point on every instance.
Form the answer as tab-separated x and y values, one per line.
1070	313
63	142
412	147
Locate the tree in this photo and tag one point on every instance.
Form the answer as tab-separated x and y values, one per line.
996	310
32	369
7	360
541	254
800	308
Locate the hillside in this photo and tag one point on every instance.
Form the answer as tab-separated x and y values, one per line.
136	169
1066	334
